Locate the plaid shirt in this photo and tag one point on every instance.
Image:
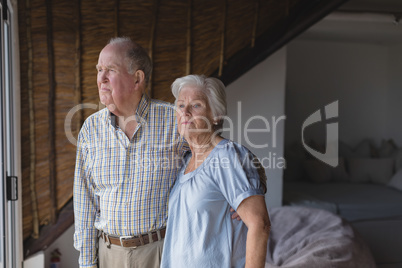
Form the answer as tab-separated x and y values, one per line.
121	186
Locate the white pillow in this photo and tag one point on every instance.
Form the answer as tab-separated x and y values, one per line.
387	148
376	170
339	173
317	171
396	181
397	155
362	150
320	172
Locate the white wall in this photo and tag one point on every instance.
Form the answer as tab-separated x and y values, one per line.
394	104
69	257
35	261
257	101
364	77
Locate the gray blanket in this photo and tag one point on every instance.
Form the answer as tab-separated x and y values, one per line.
314	238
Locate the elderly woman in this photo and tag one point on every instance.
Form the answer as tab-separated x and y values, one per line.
218	174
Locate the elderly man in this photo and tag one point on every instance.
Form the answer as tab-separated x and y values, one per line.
128	155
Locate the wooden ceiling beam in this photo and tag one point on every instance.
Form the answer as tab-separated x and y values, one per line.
301	17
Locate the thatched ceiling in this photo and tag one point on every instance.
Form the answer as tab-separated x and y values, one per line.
59	45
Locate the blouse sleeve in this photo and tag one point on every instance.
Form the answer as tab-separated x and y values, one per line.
237	174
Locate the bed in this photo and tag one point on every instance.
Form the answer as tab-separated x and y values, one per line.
352	201
365	189
304	237
375	211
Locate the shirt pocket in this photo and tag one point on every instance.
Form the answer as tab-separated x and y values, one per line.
109	166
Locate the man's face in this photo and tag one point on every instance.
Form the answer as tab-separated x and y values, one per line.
116	86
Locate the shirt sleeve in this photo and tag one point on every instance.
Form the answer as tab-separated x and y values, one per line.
86	205
238	176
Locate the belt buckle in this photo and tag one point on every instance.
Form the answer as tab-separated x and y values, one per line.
125	237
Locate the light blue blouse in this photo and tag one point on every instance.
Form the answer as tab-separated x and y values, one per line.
200	231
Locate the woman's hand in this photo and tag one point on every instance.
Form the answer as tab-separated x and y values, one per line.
235	215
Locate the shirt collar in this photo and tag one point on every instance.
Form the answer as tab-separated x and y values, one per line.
142	111
143	106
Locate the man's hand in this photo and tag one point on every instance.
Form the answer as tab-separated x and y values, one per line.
235	215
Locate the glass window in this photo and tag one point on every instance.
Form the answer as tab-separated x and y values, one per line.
10	255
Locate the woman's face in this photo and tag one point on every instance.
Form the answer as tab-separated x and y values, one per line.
194	116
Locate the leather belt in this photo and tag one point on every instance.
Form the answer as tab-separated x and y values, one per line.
135	241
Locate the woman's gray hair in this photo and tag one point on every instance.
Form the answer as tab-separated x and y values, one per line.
212	87
137	56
